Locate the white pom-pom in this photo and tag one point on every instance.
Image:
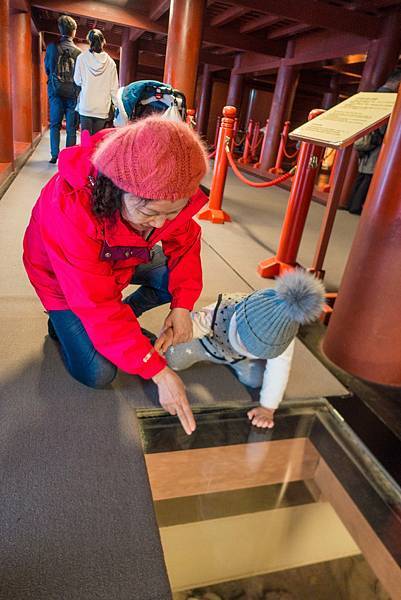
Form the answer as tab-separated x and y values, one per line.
302	294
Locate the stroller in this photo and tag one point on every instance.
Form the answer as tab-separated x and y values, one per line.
140	98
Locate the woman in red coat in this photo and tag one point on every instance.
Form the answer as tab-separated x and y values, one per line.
94	230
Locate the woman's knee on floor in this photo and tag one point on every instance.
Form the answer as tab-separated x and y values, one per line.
99	374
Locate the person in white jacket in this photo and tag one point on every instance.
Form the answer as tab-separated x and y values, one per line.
96	74
254	335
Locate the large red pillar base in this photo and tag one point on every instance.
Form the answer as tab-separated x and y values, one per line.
215	215
272	267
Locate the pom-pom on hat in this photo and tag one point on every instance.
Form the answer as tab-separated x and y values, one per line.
153	158
268	320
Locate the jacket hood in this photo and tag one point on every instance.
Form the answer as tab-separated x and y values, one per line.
74	164
95	62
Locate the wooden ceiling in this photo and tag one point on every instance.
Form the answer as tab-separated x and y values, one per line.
252	27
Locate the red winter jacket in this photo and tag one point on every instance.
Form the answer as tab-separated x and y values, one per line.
80	262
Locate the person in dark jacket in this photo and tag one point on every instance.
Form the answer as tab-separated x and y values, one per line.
62	92
368	148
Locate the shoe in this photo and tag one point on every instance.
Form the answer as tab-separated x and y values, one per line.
53	160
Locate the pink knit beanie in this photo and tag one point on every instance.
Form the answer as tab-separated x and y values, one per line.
153	158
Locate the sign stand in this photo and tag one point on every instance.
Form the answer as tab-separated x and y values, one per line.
336	128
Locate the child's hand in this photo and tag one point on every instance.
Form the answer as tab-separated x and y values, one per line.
262	417
164	341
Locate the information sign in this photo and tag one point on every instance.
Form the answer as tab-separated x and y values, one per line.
341	125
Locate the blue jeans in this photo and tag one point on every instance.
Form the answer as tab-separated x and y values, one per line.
80	357
58	108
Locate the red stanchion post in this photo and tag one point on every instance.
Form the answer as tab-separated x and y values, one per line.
246	157
216	135
190	118
308	164
214	212
280	154
257	165
255	139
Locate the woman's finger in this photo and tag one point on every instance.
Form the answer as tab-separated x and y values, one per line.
186	416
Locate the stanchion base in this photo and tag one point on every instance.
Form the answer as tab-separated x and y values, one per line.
276	171
257	165
215	216
244	161
327	311
272	267
326	189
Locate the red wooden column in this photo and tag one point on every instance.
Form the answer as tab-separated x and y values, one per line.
382	58
283	99
6	117
202	112
364	333
128	60
235	87
330	98
22	76
183	45
36	92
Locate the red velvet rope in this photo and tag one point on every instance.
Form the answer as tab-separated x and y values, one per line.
263	184
290	156
212	155
241	141
259	142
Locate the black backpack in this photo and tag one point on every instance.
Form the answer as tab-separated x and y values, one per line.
63	77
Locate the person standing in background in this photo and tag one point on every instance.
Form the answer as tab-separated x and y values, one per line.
368	148
96	75
60	63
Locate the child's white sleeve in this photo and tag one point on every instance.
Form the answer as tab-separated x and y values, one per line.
202	321
77	71
275	378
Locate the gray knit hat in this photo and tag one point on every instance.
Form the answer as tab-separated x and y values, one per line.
268	320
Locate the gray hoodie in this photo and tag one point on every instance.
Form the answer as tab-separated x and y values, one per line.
96	74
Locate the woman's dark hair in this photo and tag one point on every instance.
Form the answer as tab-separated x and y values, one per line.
96	40
106	197
66	25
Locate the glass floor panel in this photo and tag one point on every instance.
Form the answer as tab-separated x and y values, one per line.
301	512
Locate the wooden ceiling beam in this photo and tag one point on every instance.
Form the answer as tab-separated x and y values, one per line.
233	39
259	23
104	12
205	57
135	34
318	14
158	8
309	50
373	4
288	31
228	15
